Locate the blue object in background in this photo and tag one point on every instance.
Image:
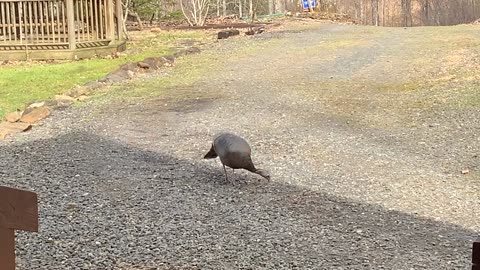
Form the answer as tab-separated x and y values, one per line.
305	3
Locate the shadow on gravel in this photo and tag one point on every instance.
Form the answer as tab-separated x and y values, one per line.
103	203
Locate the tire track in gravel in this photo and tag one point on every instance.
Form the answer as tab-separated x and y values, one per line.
371	165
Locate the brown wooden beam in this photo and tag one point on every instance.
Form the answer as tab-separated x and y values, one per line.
7	249
476	254
18	211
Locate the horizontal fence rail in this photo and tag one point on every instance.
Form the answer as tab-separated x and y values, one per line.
56	24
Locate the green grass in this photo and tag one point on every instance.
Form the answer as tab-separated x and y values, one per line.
179	83
27	82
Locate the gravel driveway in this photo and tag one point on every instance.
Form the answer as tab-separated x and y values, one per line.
366	172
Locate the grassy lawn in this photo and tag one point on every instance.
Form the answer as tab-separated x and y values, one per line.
31	81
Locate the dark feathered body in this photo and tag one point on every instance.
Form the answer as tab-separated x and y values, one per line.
234	152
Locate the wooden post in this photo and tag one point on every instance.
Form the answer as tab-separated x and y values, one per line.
18	211
70	25
7	249
110	20
118	5
476	254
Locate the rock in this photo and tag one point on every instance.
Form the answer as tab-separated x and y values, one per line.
155	30
7	128
32	106
154	62
227	33
36	105
465	171
120	75
169	60
191	50
13	116
129	66
143	65
130	74
223	34
79	91
63	100
82	98
255	30
51	103
71	205
93	85
115	77
35	115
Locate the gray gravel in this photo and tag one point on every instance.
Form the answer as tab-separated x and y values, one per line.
122	184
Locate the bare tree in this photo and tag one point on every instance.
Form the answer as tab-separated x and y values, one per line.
362	11
240	9
250	9
279	6
128	8
270	7
375	14
124	22
195	11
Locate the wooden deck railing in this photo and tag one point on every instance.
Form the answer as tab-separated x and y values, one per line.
60	24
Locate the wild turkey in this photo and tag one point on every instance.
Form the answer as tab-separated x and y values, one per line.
235	153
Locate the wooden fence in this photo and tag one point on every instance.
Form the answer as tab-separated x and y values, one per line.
58	24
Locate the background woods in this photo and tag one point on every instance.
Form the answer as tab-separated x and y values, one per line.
373	12
406	12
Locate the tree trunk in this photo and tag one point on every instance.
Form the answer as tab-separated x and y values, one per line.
254	10
224	5
185	13
383	13
250	8
362	13
279	6
375	12
409	13
218	8
425	13
240	9
124	23
137	18
270	7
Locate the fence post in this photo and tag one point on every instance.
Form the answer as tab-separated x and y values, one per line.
18	211
110	21
71	25
476	254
